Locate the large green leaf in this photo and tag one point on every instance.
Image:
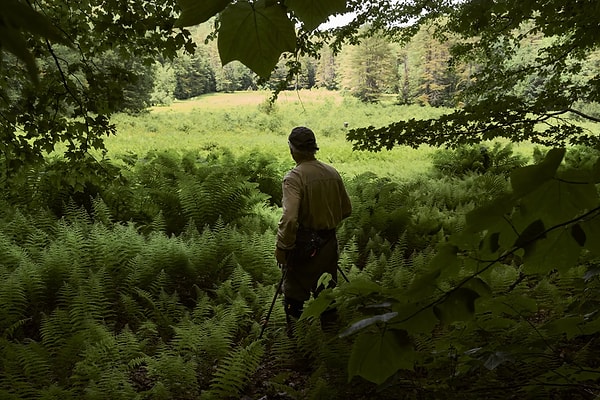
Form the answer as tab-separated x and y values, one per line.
366	322
527	179
377	356
558	250
458	306
446	261
194	12
314	308
314	12
489	215
592	235
556	201
16	17
569	326
256	35
515	304
415	318
425	283
533	232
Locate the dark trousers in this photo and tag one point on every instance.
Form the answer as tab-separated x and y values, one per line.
302	277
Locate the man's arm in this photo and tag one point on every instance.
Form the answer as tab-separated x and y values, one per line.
288	224
345	202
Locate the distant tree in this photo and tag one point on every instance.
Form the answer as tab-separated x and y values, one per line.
137	82
306	78
435	79
371	69
234	76
326	75
194	75
164	84
405	75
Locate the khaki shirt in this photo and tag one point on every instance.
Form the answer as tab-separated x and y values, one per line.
314	196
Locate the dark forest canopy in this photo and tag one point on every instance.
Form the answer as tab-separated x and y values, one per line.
66	67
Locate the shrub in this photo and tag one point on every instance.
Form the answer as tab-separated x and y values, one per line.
479	159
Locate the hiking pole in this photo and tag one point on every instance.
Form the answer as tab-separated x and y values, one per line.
343	274
283	272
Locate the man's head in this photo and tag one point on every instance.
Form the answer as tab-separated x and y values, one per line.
302	141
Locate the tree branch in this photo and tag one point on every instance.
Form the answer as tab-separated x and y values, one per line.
500	258
583	115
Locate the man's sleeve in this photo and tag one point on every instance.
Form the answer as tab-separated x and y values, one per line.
345	201
288	224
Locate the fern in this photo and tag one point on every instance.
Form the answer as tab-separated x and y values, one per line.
104	367
11	255
100	212
234	372
25	369
13	298
210	339
320	386
205	201
173	377
398	274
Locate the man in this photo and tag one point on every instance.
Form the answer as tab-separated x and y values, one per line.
314	203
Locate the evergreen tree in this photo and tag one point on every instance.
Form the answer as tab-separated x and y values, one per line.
194	75
371	69
326	74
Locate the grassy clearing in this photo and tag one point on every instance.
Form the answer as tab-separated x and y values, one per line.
244	122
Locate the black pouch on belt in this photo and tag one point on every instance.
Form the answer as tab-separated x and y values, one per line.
308	243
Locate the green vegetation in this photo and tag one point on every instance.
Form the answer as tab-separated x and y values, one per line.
245	122
144	270
152	279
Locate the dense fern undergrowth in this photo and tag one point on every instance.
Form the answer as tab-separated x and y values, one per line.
151	280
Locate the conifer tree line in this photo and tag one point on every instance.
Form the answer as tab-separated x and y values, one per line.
416	72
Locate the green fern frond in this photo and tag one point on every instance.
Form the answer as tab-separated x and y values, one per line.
203	308
210	339
234	372
159	223
254	253
173	377
375	266
159	283
100	211
55	329
502	277
130	310
279	384
309	338
282	350
89	302
547	296
402	277
73	213
25	369
11	254
14	301
16	227
395	274
320	387
242	282
104	366
36	243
